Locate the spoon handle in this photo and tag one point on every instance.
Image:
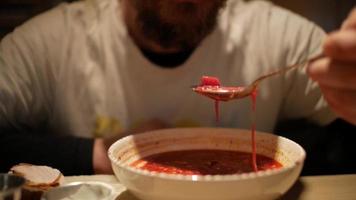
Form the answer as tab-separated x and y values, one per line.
285	69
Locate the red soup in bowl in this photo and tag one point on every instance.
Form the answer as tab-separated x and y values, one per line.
204	162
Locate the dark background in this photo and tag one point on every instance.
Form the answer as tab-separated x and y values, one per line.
327	13
15	12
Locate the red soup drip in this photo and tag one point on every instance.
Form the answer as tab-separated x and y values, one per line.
253	133
217	115
212	81
204	162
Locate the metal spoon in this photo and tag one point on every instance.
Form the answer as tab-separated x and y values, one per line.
222	93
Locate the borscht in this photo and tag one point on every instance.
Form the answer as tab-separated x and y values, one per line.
204	162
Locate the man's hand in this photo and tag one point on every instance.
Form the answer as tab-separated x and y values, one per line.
101	162
336	73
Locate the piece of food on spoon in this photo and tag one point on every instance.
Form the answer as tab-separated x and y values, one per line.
209	81
207	84
38	179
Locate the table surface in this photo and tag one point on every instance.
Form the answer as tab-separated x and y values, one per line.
335	187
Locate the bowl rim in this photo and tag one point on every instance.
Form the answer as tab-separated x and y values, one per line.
203	178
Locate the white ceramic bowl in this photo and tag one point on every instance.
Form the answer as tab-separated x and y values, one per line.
147	185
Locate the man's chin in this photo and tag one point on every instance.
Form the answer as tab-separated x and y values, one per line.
180	10
188	1
177	24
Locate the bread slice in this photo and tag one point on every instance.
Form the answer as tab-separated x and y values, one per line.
40	177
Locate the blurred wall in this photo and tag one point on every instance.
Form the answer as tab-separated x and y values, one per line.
327	13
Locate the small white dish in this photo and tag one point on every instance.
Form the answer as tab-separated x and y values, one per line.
91	190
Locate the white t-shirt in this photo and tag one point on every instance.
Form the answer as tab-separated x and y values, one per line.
75	70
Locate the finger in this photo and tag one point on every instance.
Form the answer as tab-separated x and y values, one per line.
333	73
350	22
341	45
342	102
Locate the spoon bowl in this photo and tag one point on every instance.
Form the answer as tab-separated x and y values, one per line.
223	93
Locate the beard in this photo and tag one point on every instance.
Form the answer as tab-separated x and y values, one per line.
176	25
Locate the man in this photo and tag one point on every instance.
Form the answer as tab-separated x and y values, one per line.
106	68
